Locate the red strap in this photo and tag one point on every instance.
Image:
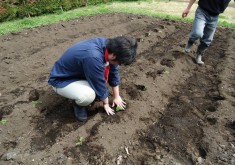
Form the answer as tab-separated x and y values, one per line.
107	67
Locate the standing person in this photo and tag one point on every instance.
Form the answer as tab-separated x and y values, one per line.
204	26
82	72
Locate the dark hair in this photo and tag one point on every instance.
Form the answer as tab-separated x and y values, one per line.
123	47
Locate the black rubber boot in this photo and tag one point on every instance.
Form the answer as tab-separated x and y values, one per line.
80	113
200	53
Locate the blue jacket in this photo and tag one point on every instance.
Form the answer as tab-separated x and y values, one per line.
85	61
213	7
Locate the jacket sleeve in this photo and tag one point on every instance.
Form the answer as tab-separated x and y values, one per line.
114	79
94	73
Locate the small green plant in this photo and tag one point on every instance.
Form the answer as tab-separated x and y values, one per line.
80	141
35	103
119	108
3	121
166	72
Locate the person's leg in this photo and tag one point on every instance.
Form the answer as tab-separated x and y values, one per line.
197	29
207	38
82	93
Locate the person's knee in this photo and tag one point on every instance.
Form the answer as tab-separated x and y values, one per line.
197	34
86	98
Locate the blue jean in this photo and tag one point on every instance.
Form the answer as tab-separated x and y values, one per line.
204	27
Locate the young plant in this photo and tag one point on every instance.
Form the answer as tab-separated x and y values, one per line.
3	121
80	141
166	72
35	103
119	108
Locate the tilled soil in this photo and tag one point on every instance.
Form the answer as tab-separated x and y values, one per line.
178	112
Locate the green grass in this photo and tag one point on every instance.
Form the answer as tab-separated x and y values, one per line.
162	9
222	17
20	24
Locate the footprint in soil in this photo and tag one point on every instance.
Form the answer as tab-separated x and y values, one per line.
18	91
33	95
6	110
141	87
216	95
134	94
211	120
134	91
231	125
167	62
211	109
155	73
177	54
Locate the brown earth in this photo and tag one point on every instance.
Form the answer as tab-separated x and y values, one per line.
178	112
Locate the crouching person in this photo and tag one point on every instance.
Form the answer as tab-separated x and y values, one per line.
82	72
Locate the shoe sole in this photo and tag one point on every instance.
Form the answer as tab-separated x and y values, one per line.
187	51
82	120
200	63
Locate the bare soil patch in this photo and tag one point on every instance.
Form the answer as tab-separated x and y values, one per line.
178	112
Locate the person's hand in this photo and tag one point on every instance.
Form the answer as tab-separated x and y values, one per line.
108	110
119	102
185	13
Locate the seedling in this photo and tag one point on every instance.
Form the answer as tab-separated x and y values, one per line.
35	103
3	121
119	108
166	72
80	141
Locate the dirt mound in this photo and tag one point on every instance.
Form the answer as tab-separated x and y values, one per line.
178	112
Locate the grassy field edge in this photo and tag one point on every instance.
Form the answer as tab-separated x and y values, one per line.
114	7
